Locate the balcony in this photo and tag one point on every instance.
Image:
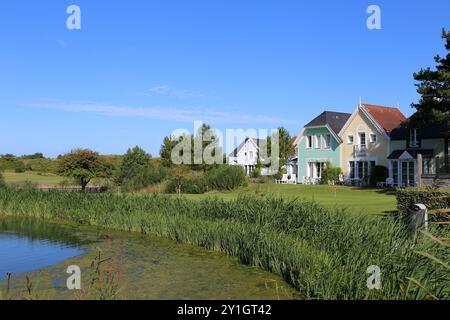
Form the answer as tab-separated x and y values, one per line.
360	150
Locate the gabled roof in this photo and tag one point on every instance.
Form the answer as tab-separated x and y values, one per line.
334	120
384	119
387	117
258	143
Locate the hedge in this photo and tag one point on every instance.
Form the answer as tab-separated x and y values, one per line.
432	198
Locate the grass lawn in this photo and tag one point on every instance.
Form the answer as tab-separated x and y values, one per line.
356	200
41	179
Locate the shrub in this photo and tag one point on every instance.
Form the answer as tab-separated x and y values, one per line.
256	173
29	185
41	165
2	181
189	184
19	167
64	183
378	174
226	177
138	170
37	155
10	162
330	173
263	180
142	177
432	198
278	175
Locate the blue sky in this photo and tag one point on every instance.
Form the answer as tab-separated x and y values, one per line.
137	70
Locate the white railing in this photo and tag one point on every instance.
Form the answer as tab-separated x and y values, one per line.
360	149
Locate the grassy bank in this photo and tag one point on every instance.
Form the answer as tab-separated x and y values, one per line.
323	254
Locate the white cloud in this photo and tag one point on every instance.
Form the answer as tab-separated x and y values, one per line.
165	113
175	92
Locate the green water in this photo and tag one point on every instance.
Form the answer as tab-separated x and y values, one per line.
145	267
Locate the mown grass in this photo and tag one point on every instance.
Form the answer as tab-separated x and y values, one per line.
353	199
40	179
323	254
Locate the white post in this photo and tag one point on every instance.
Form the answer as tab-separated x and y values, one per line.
391	173
400	173
418	170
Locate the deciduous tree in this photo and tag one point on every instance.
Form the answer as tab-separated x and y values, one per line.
83	165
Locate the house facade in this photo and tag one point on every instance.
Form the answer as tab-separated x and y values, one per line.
432	143
366	141
318	144
246	155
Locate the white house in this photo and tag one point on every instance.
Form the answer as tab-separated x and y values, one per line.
246	155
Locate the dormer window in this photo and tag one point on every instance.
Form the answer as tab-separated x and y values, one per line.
373	138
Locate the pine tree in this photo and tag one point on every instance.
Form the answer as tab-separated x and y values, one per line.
434	88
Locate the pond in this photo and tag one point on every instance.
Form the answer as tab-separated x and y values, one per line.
24	247
140	266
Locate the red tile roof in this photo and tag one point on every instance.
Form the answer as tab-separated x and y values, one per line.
293	139
388	118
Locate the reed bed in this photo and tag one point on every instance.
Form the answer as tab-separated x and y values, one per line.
323	253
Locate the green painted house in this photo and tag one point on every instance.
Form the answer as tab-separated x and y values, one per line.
319	143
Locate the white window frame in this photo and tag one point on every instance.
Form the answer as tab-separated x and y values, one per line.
360	139
326	137
318	141
373	135
309	142
352	139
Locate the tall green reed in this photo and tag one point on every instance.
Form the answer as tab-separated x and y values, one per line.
323	253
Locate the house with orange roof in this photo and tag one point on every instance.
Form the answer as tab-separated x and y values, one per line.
366	140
